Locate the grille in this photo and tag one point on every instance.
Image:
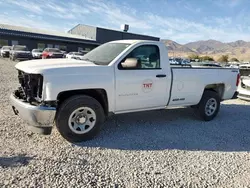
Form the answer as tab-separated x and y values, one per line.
57	55
22	55
31	86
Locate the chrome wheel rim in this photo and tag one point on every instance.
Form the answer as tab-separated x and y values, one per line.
210	107
82	120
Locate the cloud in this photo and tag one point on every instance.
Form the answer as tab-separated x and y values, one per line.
220	22
27	5
57	14
116	15
188	6
29	20
227	3
50	8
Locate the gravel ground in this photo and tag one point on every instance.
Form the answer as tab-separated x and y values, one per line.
152	149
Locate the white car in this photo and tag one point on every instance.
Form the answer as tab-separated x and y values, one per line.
74	55
37	53
244	85
5	51
78	95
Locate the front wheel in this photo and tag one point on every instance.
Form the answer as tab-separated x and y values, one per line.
79	118
209	106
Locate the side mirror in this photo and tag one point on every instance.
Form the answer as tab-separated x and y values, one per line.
130	63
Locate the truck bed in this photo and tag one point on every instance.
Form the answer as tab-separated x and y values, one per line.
188	83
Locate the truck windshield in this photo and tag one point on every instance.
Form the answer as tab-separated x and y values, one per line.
104	54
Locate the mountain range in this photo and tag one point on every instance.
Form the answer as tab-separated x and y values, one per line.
239	49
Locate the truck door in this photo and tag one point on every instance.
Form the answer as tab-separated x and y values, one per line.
147	86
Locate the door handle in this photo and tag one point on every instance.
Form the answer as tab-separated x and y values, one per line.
161	75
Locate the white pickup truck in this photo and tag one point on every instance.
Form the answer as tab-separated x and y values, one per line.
116	77
244	84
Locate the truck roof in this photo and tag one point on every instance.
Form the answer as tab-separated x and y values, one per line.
131	41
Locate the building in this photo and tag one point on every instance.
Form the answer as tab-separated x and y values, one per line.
79	38
36	38
102	35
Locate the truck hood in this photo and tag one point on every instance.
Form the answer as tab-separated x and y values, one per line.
53	66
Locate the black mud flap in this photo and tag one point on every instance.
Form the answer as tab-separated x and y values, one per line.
235	95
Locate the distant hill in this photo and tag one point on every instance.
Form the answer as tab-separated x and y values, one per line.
239	49
174	46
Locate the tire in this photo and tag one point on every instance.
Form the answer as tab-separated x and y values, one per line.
66	112
209	106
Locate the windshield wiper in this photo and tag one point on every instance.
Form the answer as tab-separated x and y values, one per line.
95	62
86	59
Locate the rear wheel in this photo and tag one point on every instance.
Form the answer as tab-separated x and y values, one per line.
79	118
209	105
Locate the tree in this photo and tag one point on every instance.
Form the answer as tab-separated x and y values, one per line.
206	58
194	56
234	59
223	59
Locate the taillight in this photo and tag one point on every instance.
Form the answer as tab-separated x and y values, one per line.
238	79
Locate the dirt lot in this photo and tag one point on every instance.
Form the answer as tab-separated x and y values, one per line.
152	149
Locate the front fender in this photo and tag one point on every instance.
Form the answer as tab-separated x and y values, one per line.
57	84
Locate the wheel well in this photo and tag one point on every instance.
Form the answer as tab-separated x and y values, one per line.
218	88
99	94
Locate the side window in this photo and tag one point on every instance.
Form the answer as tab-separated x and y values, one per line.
148	57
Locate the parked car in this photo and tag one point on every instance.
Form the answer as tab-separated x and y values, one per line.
78	95
205	64
52	53
74	55
5	51
244	85
37	53
20	52
64	53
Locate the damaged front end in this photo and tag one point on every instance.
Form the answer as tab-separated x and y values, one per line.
31	86
27	103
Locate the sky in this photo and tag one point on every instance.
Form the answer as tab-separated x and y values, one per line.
180	20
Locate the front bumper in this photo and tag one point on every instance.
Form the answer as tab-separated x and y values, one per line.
37	56
244	94
5	54
40	118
